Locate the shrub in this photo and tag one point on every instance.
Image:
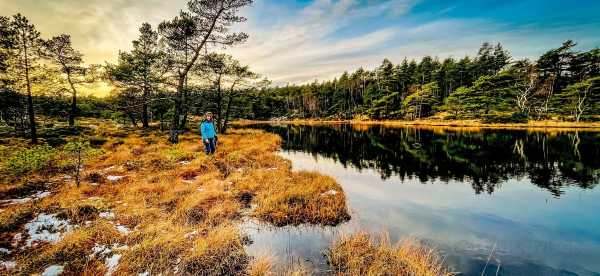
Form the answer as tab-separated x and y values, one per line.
29	160
504	118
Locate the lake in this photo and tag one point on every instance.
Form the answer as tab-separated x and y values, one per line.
493	202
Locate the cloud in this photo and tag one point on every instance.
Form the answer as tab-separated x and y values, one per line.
308	45
302	48
295	42
99	28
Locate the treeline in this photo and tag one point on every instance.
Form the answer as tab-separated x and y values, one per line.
562	83
171	73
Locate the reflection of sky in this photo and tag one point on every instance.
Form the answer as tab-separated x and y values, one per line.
530	228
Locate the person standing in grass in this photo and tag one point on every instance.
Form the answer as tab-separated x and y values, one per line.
209	134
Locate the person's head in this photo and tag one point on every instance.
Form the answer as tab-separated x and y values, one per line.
208	116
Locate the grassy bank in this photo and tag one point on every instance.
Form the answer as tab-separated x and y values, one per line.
549	125
144	205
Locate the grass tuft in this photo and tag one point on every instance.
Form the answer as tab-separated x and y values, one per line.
361	254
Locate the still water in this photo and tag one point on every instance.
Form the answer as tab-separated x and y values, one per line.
493	202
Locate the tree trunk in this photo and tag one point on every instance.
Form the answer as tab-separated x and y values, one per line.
132	119
219	99
145	123
174	132
73	112
227	111
30	110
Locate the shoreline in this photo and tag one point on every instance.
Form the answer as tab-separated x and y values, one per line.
548	125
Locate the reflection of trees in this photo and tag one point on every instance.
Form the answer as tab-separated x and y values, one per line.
485	159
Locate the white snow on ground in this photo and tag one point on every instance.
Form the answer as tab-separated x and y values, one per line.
190	235
115	178
36	196
330	192
100	250
4	250
8	265
16	239
112	263
107	215
107	252
146	273
122	229
53	270
46	228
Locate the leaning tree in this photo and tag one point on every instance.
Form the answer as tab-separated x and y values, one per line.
187	36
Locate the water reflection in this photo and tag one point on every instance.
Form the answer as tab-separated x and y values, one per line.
525	200
484	158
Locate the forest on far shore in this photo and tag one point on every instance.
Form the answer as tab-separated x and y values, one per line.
561	84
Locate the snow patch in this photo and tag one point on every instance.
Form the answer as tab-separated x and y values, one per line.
184	162
36	196
115	178
5	250
190	235
107	215
122	229
53	270
112	263
100	250
16	239
329	193
8	265
46	228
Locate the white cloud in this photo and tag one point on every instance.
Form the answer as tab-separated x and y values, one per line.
297	45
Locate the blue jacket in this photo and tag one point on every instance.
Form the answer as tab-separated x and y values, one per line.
207	129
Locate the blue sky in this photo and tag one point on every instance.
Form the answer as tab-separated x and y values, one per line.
319	39
298	41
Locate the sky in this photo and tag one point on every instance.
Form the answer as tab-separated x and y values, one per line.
299	41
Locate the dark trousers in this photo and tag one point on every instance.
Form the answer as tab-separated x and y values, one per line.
211	146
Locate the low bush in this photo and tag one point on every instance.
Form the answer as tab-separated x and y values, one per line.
31	159
504	118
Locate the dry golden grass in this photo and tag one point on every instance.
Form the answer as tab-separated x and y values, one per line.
180	208
361	254
171	209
